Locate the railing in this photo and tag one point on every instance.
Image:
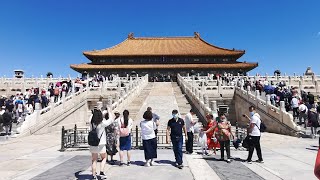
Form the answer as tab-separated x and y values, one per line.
78	138
36	121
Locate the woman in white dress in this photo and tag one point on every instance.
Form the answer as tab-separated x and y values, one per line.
100	123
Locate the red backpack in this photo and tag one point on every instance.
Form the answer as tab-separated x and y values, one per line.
56	91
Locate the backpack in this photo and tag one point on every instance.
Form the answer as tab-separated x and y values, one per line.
93	139
7	118
124	131
56	91
263	127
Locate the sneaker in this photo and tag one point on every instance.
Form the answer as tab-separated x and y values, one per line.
94	177
228	160
129	163
112	162
258	161
147	164
102	175
121	164
151	163
249	162
221	159
180	166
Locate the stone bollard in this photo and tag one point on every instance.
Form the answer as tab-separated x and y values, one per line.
214	107
268	99
300	85
249	89
109	101
290	81
201	96
206	99
99	105
282	106
257	94
117	96
122	93
37	106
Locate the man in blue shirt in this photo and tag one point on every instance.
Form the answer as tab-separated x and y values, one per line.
175	127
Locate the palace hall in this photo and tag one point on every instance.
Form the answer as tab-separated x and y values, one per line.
164	57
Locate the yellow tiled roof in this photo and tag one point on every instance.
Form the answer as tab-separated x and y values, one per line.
164	46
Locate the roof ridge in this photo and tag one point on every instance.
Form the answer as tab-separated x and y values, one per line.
112	47
232	50
165	37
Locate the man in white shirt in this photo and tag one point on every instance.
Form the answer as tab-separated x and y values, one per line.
295	106
189	122
254	135
303	114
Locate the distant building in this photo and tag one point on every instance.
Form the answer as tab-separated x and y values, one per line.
18	73
164	56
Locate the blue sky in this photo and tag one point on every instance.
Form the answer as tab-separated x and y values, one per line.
41	35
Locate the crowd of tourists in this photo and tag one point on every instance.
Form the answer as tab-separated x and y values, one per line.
304	106
113	132
20	105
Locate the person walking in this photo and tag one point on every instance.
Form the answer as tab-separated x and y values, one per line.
149	139
189	122
175	127
254	135
223	135
295	107
155	118
313	118
303	114
111	138
7	122
125	126
212	141
99	124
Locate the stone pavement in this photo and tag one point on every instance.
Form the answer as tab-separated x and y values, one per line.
37	157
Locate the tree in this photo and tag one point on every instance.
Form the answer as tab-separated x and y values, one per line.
49	75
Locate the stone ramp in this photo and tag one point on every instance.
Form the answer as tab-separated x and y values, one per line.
162	100
136	104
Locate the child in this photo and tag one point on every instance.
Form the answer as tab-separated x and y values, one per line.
202	142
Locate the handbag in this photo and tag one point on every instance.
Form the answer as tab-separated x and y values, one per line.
93	139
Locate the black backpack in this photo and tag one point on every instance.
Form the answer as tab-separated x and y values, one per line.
93	139
263	127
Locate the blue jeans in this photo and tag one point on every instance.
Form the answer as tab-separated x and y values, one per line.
177	148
